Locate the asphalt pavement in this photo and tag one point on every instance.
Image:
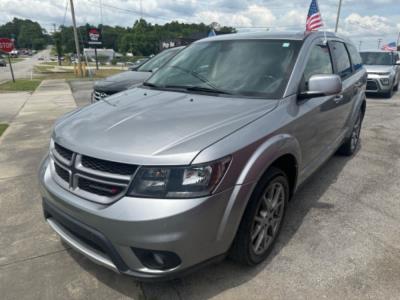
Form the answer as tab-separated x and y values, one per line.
340	239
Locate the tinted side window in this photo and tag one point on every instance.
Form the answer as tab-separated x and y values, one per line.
355	57
342	59
319	62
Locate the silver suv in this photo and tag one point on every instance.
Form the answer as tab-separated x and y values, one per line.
202	160
383	70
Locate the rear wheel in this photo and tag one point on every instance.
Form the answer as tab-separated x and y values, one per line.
350	145
262	219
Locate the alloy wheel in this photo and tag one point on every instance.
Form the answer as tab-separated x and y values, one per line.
268	218
355	135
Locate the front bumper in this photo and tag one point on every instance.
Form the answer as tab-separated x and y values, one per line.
196	230
375	85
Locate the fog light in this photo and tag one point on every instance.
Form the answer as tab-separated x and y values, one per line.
385	81
158	260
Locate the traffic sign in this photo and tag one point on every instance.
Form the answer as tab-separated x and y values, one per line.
6	45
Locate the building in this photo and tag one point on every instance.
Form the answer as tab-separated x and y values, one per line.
107	54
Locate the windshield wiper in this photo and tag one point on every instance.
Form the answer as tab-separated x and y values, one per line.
149	84
196	89
208	90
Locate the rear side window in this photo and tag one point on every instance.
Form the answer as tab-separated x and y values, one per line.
342	59
355	57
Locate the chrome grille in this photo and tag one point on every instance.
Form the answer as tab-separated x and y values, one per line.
107	166
65	153
64	174
91	178
98	95
372	85
99	188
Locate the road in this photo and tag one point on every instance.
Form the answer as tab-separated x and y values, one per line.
22	69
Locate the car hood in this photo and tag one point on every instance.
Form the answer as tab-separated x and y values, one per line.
151	127
121	81
378	69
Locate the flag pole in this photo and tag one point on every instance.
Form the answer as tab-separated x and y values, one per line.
338	15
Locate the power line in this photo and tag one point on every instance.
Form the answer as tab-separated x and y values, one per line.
65	12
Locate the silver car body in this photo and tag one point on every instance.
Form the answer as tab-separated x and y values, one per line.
125	80
382	78
146	127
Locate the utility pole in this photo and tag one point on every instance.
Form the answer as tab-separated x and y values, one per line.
338	15
78	52
398	42
379	43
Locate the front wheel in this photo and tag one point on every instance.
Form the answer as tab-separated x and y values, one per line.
389	93
262	219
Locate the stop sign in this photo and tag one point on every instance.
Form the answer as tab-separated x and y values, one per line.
6	45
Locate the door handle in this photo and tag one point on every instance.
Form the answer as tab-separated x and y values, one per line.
338	98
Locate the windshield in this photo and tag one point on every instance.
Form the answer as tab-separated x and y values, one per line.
255	68
377	58
157	61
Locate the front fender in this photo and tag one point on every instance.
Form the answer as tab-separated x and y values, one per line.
266	154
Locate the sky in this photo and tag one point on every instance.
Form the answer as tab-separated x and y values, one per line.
363	21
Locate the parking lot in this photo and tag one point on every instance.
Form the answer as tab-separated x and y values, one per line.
341	238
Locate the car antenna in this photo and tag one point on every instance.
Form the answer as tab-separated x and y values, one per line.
325	38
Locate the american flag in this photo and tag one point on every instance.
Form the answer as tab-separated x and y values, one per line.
314	19
390	47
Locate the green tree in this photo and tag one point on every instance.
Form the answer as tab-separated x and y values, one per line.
28	34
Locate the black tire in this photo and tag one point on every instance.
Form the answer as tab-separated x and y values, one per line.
243	249
350	145
396	87
389	93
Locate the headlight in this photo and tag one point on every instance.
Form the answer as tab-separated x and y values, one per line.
385	81
178	182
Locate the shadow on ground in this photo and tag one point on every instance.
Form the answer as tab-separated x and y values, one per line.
215	279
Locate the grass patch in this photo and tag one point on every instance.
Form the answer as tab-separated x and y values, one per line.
3	128
20	85
45	72
103	73
55	63
16	59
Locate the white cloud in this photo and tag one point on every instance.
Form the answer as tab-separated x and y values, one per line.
254	15
367	25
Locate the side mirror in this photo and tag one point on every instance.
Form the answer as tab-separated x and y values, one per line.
322	85
397	63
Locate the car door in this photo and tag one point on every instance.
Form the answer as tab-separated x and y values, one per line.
351	84
315	124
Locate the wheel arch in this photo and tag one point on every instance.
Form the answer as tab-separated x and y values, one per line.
281	151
